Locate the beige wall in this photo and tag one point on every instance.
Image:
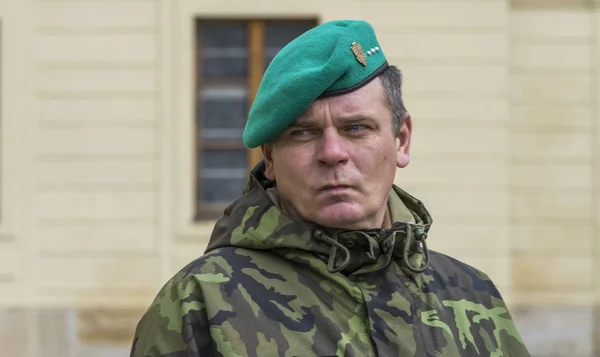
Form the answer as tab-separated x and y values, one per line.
554	130
97	154
94	88
554	174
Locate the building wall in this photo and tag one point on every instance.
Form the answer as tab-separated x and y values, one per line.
96	70
553	122
554	182
97	156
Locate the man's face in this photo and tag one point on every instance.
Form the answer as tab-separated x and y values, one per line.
336	163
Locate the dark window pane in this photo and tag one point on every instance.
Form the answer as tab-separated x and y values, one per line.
225	67
223	175
225	159
279	34
224	51
215	191
224	35
223	112
222	134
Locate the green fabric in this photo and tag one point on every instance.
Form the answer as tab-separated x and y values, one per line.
398	210
320	62
263	288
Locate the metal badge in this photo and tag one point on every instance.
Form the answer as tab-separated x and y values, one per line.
359	53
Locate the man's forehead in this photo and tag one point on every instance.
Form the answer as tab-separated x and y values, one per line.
316	117
364	102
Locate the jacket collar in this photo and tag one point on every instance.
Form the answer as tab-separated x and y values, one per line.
256	221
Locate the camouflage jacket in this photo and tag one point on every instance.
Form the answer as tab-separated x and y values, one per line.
268	285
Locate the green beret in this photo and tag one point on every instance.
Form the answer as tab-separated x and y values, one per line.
333	58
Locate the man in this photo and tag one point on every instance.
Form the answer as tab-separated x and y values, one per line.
323	255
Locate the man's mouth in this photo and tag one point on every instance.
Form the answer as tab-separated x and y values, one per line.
335	188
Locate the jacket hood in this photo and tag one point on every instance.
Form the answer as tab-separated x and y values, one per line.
255	221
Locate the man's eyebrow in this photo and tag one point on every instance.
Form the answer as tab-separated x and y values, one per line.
356	118
304	122
350	119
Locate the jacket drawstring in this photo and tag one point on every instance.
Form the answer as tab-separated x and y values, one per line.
335	245
419	235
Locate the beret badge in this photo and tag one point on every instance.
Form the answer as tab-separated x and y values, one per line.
359	53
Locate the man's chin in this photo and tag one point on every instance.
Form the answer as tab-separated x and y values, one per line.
341	215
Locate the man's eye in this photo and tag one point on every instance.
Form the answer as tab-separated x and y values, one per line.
301	132
356	127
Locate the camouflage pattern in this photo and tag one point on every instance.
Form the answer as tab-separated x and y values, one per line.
272	286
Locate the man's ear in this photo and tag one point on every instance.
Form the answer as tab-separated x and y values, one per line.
403	142
267	151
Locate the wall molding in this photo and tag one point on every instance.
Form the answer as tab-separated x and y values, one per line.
15	148
166	158
596	152
553	4
596	169
11	118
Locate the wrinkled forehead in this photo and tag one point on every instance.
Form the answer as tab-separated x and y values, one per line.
368	101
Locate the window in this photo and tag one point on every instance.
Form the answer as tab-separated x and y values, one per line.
231	57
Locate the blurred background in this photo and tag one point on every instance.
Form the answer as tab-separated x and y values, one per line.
120	127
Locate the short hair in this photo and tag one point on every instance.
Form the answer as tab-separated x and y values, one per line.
391	80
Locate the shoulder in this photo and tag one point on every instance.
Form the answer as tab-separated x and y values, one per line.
454	273
189	282
178	313
225	261
219	270
447	263
471	297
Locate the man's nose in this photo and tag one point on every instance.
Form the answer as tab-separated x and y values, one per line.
333	149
